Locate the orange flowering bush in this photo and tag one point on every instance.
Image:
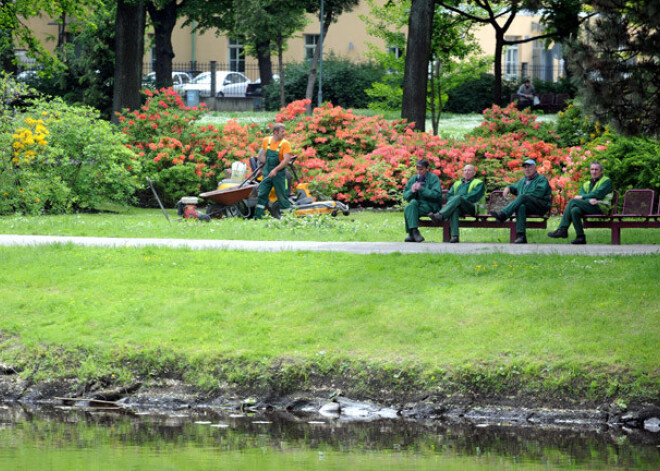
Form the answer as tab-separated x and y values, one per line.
511	120
357	159
292	110
182	158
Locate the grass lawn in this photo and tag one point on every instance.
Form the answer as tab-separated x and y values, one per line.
574	326
359	226
451	126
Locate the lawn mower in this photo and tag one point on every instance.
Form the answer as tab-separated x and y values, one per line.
236	198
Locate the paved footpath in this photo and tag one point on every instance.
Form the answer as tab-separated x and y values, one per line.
348	247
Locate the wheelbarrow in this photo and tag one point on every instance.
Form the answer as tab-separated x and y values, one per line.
230	199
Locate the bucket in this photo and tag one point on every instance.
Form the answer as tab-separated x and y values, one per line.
192	97
238	171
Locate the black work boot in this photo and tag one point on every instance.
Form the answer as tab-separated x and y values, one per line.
521	238
499	215
436	217
579	240
560	233
453	240
416	235
410	237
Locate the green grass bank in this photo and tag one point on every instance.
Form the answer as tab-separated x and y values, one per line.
543	327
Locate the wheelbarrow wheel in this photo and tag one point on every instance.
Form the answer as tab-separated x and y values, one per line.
238	210
215	211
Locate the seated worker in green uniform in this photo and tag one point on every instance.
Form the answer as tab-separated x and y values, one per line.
595	198
533	196
275	154
424	194
463	198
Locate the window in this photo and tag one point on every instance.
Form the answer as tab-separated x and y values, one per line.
511	60
396	51
311	40
236	56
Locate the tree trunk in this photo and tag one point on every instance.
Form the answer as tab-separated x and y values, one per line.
7	54
164	21
129	50
265	65
497	86
280	65
311	79
415	78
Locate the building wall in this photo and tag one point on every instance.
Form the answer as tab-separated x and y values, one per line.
347	38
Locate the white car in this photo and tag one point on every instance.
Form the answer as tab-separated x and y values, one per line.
227	84
179	80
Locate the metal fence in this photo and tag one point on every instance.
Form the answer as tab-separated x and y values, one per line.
519	72
195	68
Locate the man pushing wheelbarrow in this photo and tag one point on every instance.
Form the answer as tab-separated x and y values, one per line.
275	154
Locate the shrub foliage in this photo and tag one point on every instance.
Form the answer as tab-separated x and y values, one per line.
58	158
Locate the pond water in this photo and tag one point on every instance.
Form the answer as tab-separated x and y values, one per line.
69	439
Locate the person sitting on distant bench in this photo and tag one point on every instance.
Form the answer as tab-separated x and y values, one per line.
533	196
526	92
424	194
462	198
595	197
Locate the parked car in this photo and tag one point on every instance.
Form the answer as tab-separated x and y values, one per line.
227	83
254	88
179	79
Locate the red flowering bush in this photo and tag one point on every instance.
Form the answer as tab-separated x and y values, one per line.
360	160
511	120
181	157
292	110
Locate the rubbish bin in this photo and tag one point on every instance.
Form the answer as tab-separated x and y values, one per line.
192	97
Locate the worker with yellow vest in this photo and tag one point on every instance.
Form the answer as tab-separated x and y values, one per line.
595	197
464	197
275	154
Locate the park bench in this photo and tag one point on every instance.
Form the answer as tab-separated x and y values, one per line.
496	201
548	102
637	212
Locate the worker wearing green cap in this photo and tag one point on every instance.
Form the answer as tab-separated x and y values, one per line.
533	196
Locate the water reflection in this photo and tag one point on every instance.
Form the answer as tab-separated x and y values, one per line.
60	438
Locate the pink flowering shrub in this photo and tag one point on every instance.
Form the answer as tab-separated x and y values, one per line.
181	157
511	120
360	160
292	110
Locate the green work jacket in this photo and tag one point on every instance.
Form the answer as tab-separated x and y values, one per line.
430	192
602	190
474	191
538	187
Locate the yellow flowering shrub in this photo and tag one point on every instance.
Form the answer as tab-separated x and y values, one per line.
29	140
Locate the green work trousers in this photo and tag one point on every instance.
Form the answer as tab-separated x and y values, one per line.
521	206
573	213
454	208
278	182
412	212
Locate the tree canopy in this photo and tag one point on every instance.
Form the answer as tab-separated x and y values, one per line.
616	66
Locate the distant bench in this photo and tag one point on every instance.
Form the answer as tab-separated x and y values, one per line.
637	212
496	201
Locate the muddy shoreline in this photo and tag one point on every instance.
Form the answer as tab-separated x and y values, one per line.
171	395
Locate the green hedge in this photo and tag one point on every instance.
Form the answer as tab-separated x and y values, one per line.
344	83
476	95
